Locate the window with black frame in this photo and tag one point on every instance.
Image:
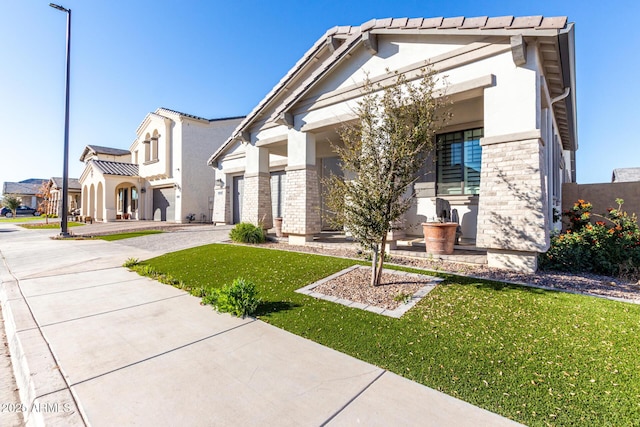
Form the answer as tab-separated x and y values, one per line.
459	162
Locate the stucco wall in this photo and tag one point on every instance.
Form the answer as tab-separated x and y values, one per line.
603	196
152	167
195	177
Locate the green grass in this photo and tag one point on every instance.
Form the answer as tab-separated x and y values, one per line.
22	219
51	225
538	357
120	236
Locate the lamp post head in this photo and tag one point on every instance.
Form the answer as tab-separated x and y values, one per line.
57	6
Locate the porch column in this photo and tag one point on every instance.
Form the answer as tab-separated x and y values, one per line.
256	201
512	220
301	219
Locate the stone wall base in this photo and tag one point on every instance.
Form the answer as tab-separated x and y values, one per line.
524	262
300	239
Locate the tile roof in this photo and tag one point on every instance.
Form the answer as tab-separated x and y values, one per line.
159	111
74	183
484	25
97	149
32	181
28	186
116	168
626	175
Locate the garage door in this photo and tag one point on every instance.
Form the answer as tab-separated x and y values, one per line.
164	204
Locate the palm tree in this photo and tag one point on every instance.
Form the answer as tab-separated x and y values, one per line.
12	202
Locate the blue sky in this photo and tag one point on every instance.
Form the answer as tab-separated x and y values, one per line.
219	58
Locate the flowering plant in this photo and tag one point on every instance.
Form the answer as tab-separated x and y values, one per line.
610	245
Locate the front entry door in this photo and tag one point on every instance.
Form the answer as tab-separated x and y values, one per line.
238	190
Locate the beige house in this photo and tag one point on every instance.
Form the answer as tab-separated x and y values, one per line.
162	176
54	207
504	155
26	190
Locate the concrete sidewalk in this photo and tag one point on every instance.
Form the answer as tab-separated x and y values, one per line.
95	344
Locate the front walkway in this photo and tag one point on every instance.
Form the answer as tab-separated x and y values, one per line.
411	246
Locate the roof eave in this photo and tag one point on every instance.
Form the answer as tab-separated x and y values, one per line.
566	42
498	32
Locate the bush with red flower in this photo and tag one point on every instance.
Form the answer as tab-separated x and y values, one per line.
609	246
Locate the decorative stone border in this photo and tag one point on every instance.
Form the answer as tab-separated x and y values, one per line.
397	313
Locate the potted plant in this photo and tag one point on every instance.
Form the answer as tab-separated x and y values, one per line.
440	235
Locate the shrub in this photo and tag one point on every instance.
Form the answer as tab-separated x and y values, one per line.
131	262
610	246
246	232
240	298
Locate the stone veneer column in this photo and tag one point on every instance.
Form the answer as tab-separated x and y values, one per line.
301	219
512	224
256	201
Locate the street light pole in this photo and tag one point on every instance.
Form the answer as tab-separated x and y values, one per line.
65	170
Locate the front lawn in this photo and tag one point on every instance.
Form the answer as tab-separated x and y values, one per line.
127	235
49	226
23	219
538	357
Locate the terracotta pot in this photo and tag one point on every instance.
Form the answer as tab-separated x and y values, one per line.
439	237
277	223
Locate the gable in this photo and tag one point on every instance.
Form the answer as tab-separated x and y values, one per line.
394	53
395	44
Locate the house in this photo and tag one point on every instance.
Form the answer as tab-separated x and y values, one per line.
28	191
56	185
505	154
626	175
163	175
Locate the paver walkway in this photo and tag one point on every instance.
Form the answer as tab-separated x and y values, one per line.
96	344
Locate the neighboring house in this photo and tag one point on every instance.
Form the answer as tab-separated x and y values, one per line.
163	176
626	175
27	191
55	195
504	156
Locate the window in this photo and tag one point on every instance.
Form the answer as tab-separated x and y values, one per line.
154	148
134	200
154	145
459	162
147	148
121	199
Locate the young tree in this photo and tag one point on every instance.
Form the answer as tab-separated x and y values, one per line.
384	151
44	193
12	202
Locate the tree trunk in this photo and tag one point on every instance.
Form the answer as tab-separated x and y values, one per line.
381	260
374	262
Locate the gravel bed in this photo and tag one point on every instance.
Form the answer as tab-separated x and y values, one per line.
605	286
355	285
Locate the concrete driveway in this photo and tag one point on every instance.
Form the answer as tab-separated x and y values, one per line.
95	344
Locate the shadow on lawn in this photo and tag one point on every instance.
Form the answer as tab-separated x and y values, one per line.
266	308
